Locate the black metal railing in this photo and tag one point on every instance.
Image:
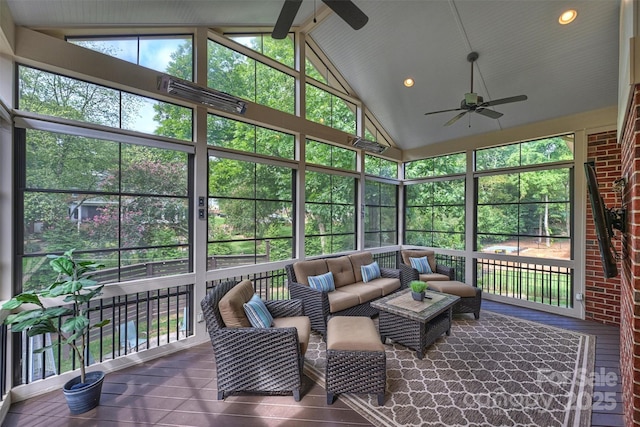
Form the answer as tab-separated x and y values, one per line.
270	285
137	322
455	261
387	259
545	284
154	318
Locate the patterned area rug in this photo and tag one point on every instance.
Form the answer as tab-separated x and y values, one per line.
495	371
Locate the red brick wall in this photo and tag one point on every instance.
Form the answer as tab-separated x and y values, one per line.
630	286
602	296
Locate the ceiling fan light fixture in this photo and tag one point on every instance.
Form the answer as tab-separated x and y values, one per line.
471	98
567	17
474	103
408	82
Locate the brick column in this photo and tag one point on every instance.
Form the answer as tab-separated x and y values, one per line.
630	285
602	296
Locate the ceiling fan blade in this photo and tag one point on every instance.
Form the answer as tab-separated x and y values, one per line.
504	100
456	118
489	113
285	19
443	111
349	12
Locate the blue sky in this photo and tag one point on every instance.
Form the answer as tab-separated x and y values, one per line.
154	53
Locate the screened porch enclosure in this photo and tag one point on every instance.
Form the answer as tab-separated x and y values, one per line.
173	197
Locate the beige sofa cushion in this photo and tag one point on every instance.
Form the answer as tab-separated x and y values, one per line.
302	325
364	291
339	300
230	305
454	288
342	271
431	257
304	269
357	261
434	277
386	285
353	333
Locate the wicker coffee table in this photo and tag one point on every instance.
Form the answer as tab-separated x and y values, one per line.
415	324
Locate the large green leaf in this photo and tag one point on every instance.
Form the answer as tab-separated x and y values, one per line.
62	265
54	312
42	327
18	300
23	316
65	288
78	323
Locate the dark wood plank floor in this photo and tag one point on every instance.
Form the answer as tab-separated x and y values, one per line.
179	390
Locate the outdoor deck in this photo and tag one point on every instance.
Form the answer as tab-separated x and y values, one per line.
179	390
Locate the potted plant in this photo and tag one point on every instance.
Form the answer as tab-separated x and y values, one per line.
417	289
75	287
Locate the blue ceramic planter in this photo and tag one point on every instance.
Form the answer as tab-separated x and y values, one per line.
85	398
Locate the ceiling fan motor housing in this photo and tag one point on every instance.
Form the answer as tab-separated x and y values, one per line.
472	99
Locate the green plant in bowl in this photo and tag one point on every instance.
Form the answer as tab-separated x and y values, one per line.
418	286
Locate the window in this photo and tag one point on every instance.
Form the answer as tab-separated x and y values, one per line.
239	75
251	212
330	110
126	206
170	54
228	133
381	214
59	96
548	150
435	209
380	167
435	213
279	50
436	166
330	213
526	211
372	133
330	155
316	69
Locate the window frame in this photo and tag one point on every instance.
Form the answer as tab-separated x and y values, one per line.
22	125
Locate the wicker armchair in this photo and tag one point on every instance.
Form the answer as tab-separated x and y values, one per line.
266	360
441	272
442	280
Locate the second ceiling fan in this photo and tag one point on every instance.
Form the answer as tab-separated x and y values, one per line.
472	102
345	9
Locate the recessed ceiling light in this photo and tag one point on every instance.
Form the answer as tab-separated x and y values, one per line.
408	82
567	17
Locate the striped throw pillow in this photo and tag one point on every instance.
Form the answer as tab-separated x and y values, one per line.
370	272
257	312
421	264
323	282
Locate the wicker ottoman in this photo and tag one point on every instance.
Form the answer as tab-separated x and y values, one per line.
356	361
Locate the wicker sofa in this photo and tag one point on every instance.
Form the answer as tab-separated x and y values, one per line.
352	296
249	359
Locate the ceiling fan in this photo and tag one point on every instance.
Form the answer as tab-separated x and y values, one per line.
472	102
345	9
